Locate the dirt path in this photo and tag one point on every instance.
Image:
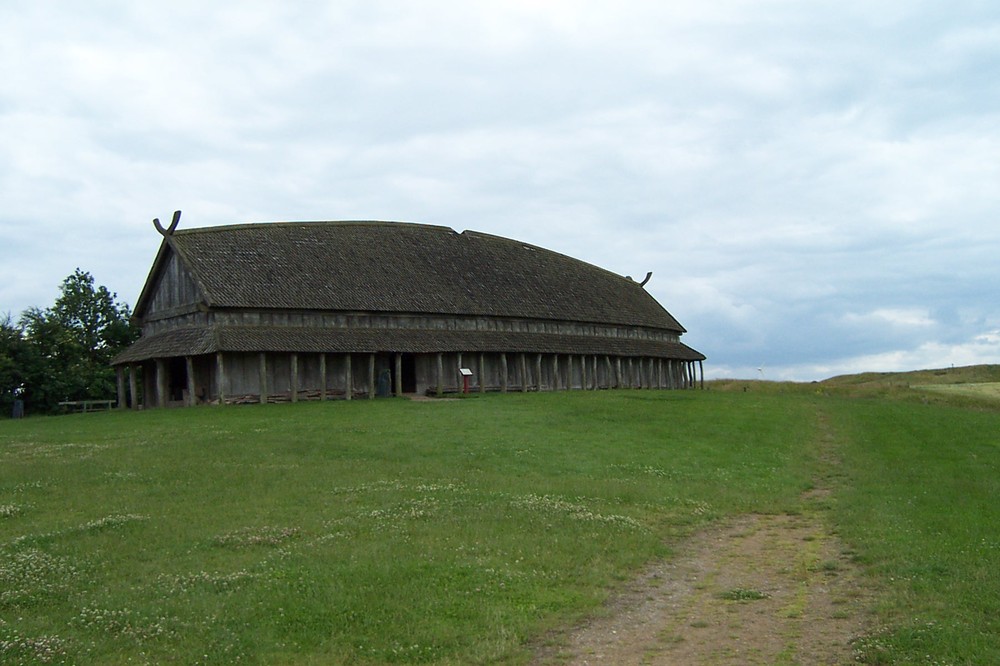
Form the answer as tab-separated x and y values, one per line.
702	607
762	589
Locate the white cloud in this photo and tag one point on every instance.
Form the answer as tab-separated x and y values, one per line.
811	185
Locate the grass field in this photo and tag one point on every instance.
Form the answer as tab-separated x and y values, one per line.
462	531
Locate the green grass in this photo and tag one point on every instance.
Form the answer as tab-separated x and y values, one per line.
920	504
460	532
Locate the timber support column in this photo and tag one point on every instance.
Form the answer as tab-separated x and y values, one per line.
399	375
192	399
133	390
294	379
371	376
262	371
348	377
701	366
482	373
556	384
220	377
322	376
440	374
161	383
503	373
522	362
120	381
538	371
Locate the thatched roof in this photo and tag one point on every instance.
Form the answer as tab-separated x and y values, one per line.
195	341
402	268
395	268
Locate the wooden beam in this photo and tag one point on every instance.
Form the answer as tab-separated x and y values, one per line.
262	377
399	375
133	390
503	372
322	376
440	374
522	362
189	371
348	377
220	377
482	373
161	383
120	381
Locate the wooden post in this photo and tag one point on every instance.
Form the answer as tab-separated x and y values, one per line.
583	373
120	380
371	376
555	373
503	372
322	376
440	374
262	371
569	372
348	377
538	371
482	373
133	390
701	365
618	372
295	377
523	364
220	377
399	375
161	383
189	370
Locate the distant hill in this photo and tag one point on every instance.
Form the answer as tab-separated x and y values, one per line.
970	374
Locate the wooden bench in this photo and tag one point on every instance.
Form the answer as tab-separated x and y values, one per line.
86	405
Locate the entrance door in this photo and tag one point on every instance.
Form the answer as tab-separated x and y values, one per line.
177	379
409	373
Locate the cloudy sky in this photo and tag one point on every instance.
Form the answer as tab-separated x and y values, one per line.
815	185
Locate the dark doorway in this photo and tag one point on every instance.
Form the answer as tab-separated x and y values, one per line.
177	376
409	373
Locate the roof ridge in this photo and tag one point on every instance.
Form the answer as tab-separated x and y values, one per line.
331	223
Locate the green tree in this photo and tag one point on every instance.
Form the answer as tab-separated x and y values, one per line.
12	356
72	344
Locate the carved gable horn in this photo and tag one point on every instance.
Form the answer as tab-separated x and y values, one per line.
648	275
173	224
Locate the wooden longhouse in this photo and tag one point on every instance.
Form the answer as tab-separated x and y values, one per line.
322	310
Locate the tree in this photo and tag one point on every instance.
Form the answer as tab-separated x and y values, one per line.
12	356
71	344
